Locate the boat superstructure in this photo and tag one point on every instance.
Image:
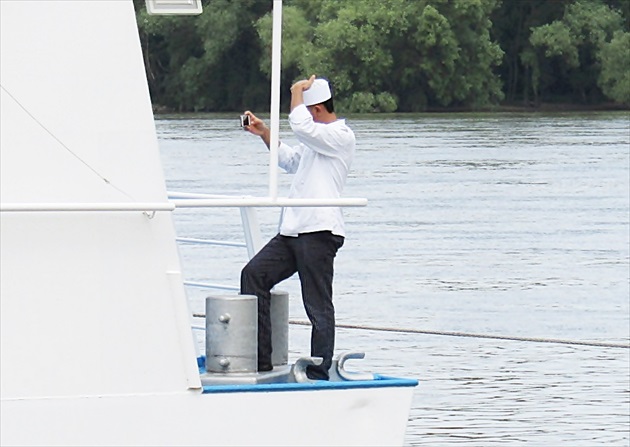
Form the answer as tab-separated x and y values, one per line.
96	339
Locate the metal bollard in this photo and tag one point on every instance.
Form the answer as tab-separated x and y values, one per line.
279	327
231	333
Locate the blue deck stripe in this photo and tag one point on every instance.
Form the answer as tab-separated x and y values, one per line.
378	382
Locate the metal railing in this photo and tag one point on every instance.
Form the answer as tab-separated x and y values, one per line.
249	221
252	239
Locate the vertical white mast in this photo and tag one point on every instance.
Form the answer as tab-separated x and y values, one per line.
275	99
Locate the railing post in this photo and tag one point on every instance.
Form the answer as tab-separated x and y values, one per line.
251	229
275	98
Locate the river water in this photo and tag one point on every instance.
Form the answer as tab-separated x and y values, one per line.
494	224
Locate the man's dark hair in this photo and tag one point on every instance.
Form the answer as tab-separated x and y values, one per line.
329	104
330	107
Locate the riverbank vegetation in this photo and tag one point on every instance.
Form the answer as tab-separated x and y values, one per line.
394	55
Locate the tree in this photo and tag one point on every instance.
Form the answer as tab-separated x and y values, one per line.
614	78
512	22
569	50
391	55
206	62
387	55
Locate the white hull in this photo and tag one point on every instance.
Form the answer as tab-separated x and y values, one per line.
96	338
353	417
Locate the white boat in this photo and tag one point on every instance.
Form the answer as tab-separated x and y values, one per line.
96	339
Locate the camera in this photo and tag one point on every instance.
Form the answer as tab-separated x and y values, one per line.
245	120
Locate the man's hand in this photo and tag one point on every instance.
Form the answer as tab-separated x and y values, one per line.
297	91
302	85
258	127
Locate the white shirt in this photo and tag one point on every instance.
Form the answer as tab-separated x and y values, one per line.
321	163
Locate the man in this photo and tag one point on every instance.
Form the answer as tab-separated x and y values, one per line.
309	237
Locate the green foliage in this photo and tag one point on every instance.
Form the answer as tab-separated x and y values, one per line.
364	102
206	62
390	55
572	46
614	78
361	101
297	35
512	22
557	40
385	102
429	53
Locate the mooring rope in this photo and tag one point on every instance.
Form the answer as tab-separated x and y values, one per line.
471	335
462	334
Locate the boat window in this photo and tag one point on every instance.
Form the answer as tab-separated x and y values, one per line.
164	7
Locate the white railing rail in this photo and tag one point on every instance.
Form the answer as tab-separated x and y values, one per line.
201	201
195	200
87	206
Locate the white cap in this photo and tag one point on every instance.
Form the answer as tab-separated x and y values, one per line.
318	92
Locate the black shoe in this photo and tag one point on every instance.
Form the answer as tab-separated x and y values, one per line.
315	373
262	367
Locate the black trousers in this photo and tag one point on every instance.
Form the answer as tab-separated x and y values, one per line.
311	255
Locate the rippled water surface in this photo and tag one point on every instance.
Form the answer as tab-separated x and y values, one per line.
512	225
